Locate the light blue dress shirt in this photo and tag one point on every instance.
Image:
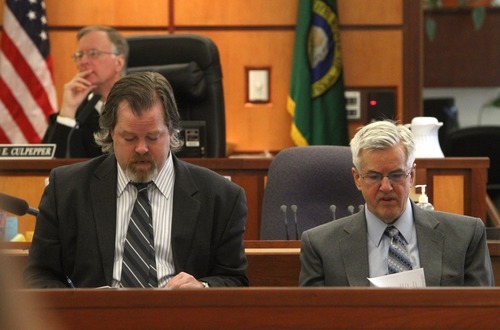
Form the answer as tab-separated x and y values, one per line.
378	243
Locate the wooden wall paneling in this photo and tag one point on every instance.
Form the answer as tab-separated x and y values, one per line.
447	199
474	201
235	13
460	56
474	177
243	128
62	45
139	13
413	68
370	12
255	33
373	58
255	127
17	186
254	186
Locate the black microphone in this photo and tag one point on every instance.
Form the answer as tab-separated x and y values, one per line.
294	211
333	209
15	205
67	154
283	209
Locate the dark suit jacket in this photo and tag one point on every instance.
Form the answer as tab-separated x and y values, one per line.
452	250
82	143
75	230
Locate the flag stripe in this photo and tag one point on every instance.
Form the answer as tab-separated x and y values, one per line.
3	137
14	133
27	95
23	105
37	90
14	110
41	67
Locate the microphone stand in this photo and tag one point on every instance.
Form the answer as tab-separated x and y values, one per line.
283	209
294	210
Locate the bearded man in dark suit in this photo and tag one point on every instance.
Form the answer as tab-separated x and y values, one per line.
198	216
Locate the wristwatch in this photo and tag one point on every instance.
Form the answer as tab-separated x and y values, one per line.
205	284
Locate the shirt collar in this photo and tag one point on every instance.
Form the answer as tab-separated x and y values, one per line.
164	181
99	105
376	227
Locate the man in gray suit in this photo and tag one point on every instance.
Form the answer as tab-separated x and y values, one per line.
450	248
198	217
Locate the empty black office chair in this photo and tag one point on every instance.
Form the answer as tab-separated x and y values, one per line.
446	112
312	185
191	64
493	233
479	141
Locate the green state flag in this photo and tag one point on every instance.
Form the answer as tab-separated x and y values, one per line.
316	101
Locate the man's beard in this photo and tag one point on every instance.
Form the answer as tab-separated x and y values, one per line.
139	174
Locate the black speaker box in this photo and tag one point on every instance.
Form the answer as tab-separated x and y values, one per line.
195	139
381	105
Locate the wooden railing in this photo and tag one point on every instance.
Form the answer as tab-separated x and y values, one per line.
270	263
266	308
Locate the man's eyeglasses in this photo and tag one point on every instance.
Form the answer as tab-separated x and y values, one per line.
373	178
92	54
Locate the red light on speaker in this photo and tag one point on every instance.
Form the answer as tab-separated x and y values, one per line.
373	103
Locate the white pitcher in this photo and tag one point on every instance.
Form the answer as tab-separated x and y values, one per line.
425	130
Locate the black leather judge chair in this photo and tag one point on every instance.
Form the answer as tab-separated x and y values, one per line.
306	187
191	64
480	141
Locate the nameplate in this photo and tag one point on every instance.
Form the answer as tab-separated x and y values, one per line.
27	151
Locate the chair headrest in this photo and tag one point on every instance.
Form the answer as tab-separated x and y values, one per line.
187	79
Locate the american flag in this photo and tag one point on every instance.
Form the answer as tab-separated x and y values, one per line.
27	92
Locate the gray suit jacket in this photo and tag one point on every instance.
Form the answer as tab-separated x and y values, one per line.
452	250
75	230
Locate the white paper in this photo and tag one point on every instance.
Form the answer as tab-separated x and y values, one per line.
409	279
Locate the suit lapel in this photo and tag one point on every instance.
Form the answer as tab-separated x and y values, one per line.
354	251
103	195
430	246
185	214
87	108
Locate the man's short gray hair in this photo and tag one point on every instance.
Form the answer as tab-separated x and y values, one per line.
382	135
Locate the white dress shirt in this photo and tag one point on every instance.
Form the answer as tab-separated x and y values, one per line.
160	194
71	122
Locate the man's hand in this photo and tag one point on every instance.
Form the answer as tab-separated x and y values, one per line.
184	281
74	92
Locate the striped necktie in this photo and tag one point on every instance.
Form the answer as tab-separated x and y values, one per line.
399	259
139	263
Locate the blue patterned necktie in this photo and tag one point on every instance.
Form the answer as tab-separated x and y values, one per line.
139	263
399	259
